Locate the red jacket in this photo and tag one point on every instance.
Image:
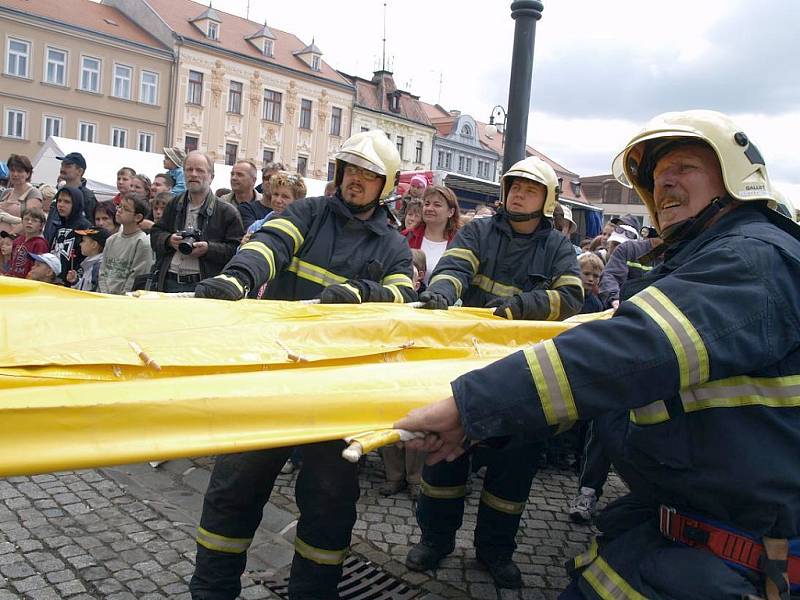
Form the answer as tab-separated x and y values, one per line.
414	236
20	262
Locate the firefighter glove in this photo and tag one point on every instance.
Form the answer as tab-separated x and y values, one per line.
509	308
433	300
221	287
342	293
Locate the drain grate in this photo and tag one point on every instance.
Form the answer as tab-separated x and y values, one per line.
361	580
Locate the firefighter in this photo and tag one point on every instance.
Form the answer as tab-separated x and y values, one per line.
517	263
342	250
704	352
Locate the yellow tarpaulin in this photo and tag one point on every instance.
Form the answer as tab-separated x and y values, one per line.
89	380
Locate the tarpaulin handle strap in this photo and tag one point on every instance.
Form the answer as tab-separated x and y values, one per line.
151	295
364	443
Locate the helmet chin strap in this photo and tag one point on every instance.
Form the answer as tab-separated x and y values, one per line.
690	228
519	217
357	209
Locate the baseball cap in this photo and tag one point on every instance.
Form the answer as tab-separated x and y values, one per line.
8	234
50	259
99	235
626	220
75	158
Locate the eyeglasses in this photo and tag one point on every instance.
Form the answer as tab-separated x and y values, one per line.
631	235
353	171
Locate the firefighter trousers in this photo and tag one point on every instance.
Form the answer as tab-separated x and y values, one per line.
506	486
326	493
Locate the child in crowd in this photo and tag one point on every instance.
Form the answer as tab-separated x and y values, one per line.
140	185
157	206
124	176
6	246
420	265
29	242
46	268
105	216
87	276
68	217
413	215
127	255
173	163
591	268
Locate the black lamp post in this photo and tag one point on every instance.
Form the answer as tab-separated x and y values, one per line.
525	14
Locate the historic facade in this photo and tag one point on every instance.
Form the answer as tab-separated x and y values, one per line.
246	90
81	70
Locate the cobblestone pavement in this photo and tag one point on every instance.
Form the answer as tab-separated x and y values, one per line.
127	533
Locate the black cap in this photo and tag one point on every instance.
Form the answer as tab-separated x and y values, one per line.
75	158
8	234
626	220
98	234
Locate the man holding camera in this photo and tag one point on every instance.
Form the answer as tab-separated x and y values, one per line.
197	234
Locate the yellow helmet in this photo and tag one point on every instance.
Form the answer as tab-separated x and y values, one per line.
744	173
373	151
535	169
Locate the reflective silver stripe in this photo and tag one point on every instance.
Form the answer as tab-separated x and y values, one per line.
555	305
314	273
289	228
683	337
443	492
319	555
265	251
453	280
551	383
607	583
398	279
494	287
773	392
221	543
502	505
585	558
655	412
464	254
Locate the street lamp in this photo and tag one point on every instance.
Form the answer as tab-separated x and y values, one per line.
525	14
497	112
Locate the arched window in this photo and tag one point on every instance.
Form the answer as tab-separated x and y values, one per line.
466	130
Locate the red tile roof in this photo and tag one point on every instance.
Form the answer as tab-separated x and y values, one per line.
234	30
373	95
87	15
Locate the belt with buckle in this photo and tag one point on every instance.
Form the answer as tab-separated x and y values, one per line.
185	279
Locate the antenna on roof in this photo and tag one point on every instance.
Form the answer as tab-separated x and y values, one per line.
248	11
439	101
383	60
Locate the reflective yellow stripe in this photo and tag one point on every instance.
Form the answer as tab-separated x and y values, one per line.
493	287
636	265
441	492
607	583
585	558
551	383
567	280
319	555
501	505
398	297
314	273
655	412
220	543
454	280
264	251
398	279
555	305
289	228
356	292
683	337
773	392
465	254
232	280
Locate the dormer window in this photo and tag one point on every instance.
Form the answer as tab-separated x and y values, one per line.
466	130
267	47
213	30
394	102
316	62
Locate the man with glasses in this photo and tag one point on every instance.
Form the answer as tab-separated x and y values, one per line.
340	250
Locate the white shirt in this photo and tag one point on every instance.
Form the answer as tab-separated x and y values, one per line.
433	252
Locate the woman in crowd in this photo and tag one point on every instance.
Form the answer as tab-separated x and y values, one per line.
140	185
440	222
19	195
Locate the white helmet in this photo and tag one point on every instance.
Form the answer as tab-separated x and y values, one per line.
535	169
373	151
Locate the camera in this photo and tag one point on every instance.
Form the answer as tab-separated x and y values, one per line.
190	236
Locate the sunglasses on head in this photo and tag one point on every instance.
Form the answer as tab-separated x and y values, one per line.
631	235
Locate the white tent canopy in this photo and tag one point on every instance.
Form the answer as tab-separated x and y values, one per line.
103	162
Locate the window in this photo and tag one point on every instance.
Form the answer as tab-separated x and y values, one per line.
194	94
364	128
146	141
336	121
122	81
400	140
272	106
305	114
302	164
268	156
394	102
15	123
52	127
448	160
316	63
481	166
418	151
469	164
213	30
331	170
235	98
119	137
18	57
466	130
267	47
87	132
460	164
148	88
440	160
190	143
90	74
231	150
55	71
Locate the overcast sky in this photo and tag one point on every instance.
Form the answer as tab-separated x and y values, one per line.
601	69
